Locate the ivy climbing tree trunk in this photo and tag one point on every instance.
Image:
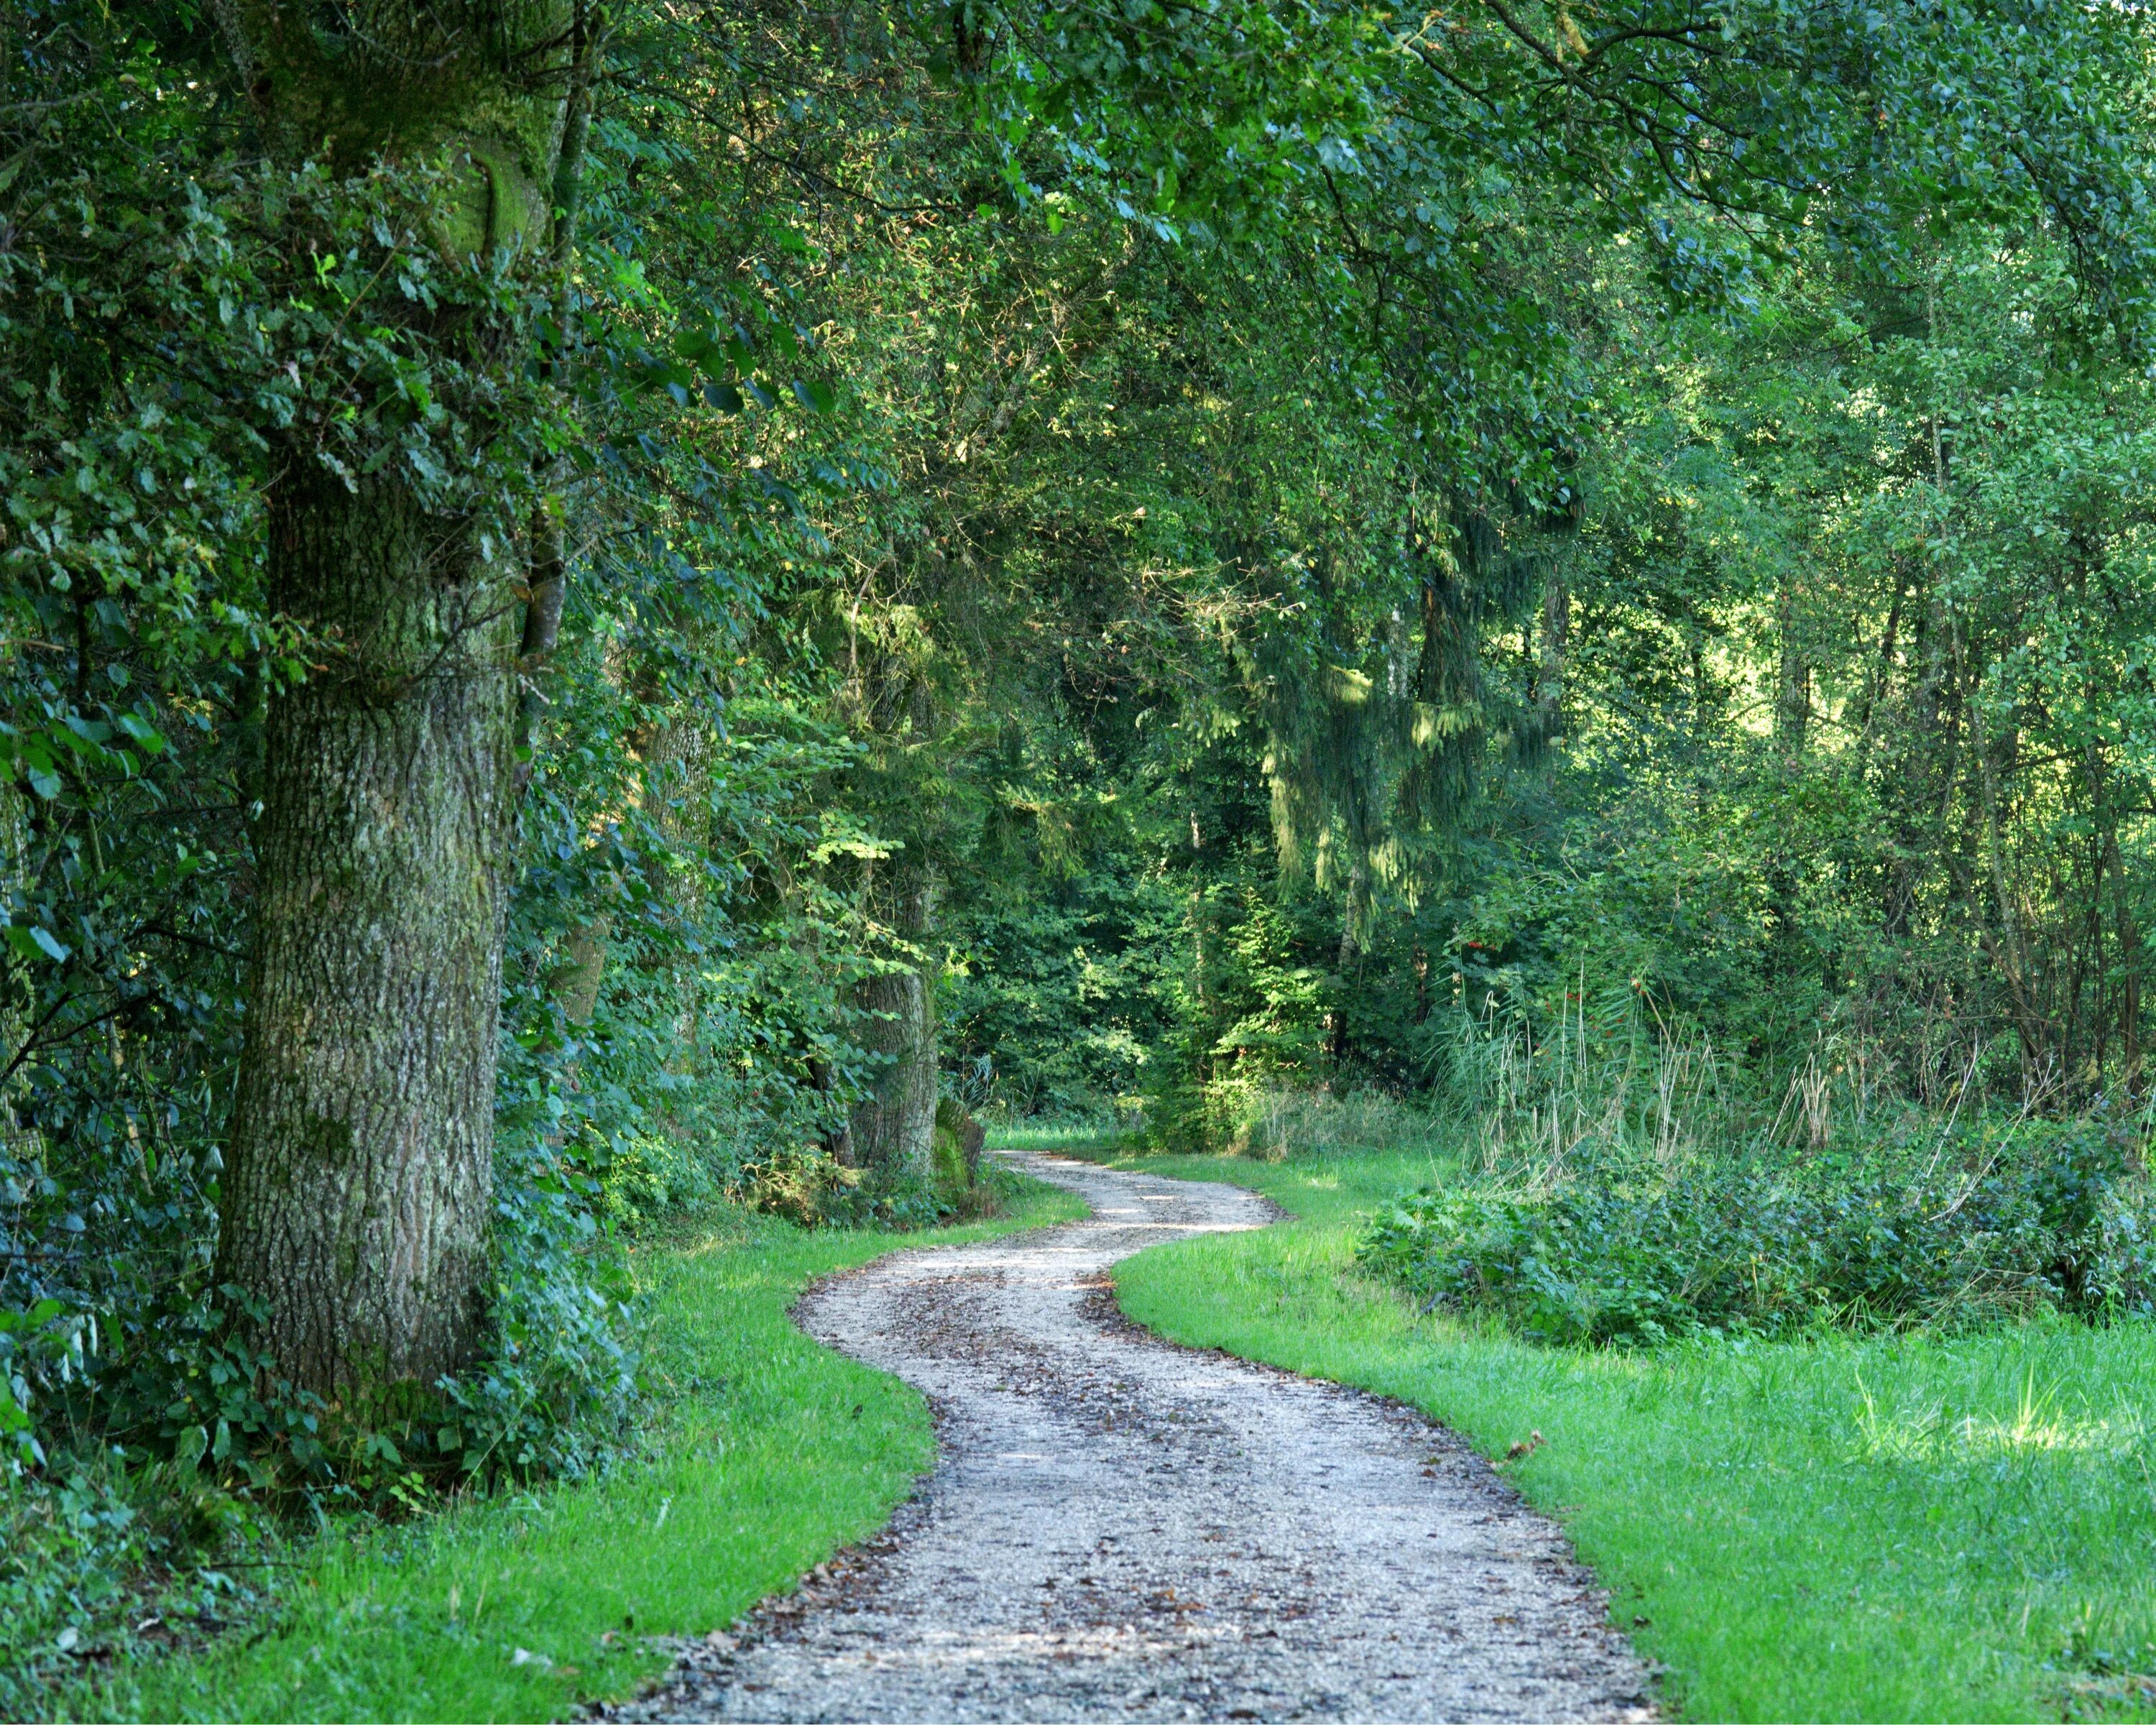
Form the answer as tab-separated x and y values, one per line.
357	1194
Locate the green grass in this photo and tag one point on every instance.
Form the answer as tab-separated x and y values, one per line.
766	1453
1059	1135
1906	1527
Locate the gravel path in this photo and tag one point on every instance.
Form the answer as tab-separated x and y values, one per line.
1121	1529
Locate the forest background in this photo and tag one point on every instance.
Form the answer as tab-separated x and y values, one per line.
1578	578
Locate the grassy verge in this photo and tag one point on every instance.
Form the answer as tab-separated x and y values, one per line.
766	1453
1063	1135
1894	1528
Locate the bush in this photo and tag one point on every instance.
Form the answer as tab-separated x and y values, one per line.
171	1376
1738	1250
808	1186
97	1560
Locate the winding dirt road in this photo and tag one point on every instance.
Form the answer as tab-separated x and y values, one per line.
1121	1529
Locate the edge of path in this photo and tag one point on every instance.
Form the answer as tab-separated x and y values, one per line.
847	1568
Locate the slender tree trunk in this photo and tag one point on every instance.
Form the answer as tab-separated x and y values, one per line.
1354	914
1793	706
678	786
582	974
1915	772
2008	951
1549	666
1706	722
16	1141
1793	697
357	1198
2129	995
894	1130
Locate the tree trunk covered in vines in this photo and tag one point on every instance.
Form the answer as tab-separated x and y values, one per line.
357	1196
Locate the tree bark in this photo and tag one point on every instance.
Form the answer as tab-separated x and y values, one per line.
577	984
894	1130
677	790
357	1198
1793	709
1793	683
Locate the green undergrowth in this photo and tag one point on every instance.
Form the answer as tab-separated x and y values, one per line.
1643	1257
1897	1527
762	1453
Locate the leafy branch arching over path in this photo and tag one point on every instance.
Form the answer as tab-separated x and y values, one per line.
1120	1529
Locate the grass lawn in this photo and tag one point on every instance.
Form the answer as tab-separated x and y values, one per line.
768	1452
1910	1527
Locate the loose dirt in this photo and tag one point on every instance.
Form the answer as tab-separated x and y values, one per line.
1121	1529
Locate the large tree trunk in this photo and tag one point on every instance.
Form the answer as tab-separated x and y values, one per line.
894	1130
357	1196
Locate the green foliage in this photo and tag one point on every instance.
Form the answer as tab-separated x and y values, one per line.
1057	1004
182	320
1643	1258
809	1189
106	1562
1664	638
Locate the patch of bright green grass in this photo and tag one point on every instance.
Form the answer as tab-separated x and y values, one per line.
1057	1135
767	1453
1912	1527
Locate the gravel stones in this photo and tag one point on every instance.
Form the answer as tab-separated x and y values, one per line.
1121	1529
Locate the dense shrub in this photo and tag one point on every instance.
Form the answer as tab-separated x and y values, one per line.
1643	1259
810	1188
97	1560
174	1379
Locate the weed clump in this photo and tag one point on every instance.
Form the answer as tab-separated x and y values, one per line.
1637	1259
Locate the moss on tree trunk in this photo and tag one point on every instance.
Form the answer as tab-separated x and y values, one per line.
357	1201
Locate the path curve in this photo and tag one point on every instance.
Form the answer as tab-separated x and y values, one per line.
1118	1528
